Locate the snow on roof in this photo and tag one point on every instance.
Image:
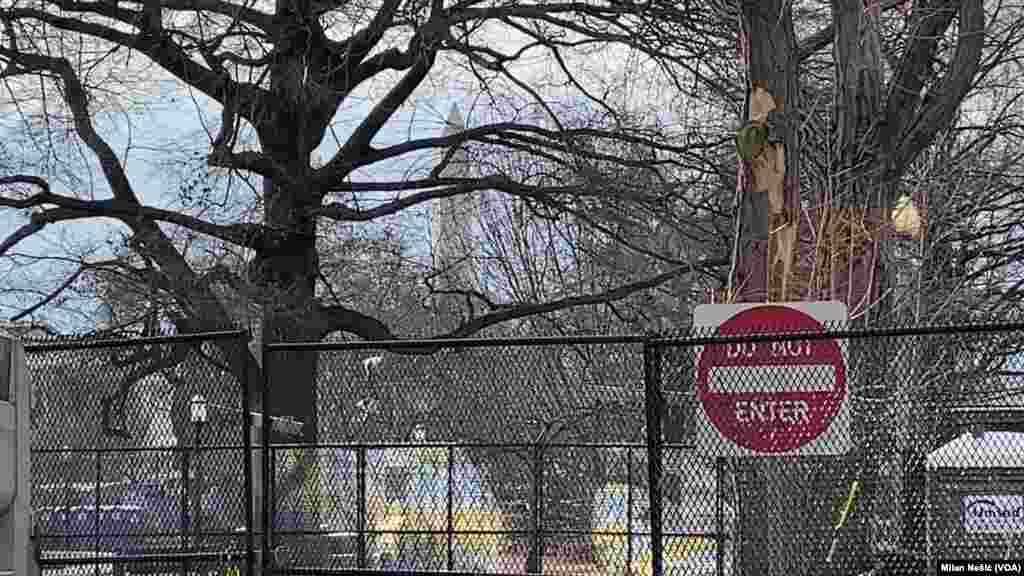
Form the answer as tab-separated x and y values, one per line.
981	450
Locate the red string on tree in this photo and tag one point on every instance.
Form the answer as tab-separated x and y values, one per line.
743	49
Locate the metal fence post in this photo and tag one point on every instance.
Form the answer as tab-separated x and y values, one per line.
197	487
719	511
184	496
537	545
629	506
361	506
268	470
653	406
249	488
451	539
96	508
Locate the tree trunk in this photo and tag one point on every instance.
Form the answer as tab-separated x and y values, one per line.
855	214
786	501
288	265
789	502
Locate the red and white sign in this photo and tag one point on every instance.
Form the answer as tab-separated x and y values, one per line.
772	397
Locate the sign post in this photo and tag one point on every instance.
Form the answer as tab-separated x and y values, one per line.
772	397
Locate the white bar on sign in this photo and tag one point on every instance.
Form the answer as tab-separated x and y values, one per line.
771	379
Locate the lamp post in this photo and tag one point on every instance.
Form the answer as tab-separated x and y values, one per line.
198	415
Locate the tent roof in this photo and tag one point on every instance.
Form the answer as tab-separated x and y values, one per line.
981	450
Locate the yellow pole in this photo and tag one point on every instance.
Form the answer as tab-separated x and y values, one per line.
854	489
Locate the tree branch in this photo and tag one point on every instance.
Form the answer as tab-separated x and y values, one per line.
332	175
52	295
348	55
249	160
242	13
359	142
26	179
77	100
613	295
246	235
823	37
20	234
943	98
160	50
344	319
338	211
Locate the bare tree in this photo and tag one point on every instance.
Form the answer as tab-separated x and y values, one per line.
279	75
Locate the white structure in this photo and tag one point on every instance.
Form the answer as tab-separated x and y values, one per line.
980	451
15	506
454	243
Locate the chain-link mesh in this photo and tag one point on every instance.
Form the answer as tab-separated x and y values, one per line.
138	455
483	459
779	453
889	449
782	452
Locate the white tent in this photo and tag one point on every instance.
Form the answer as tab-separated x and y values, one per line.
980	450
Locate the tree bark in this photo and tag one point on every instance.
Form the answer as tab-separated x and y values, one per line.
786	501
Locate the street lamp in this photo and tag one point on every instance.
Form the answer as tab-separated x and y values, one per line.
198	415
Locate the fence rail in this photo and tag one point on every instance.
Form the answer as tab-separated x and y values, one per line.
593	454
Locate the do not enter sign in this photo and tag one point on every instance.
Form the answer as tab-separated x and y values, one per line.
772	397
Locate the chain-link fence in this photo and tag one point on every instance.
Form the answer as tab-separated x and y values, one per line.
842	451
482	456
777	450
138	455
717	452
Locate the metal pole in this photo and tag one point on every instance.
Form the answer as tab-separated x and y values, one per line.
451	539
66	516
249	488
720	536
197	491
537	546
361	506
629	507
929	539
96	511
267	469
653	405
183	494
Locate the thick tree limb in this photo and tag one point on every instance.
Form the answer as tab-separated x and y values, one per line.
609	12
161	50
20	234
347	55
822	38
125	204
332	175
344	319
245	235
424	55
613	295
250	16
943	98
338	211
26	179
77	100
249	161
